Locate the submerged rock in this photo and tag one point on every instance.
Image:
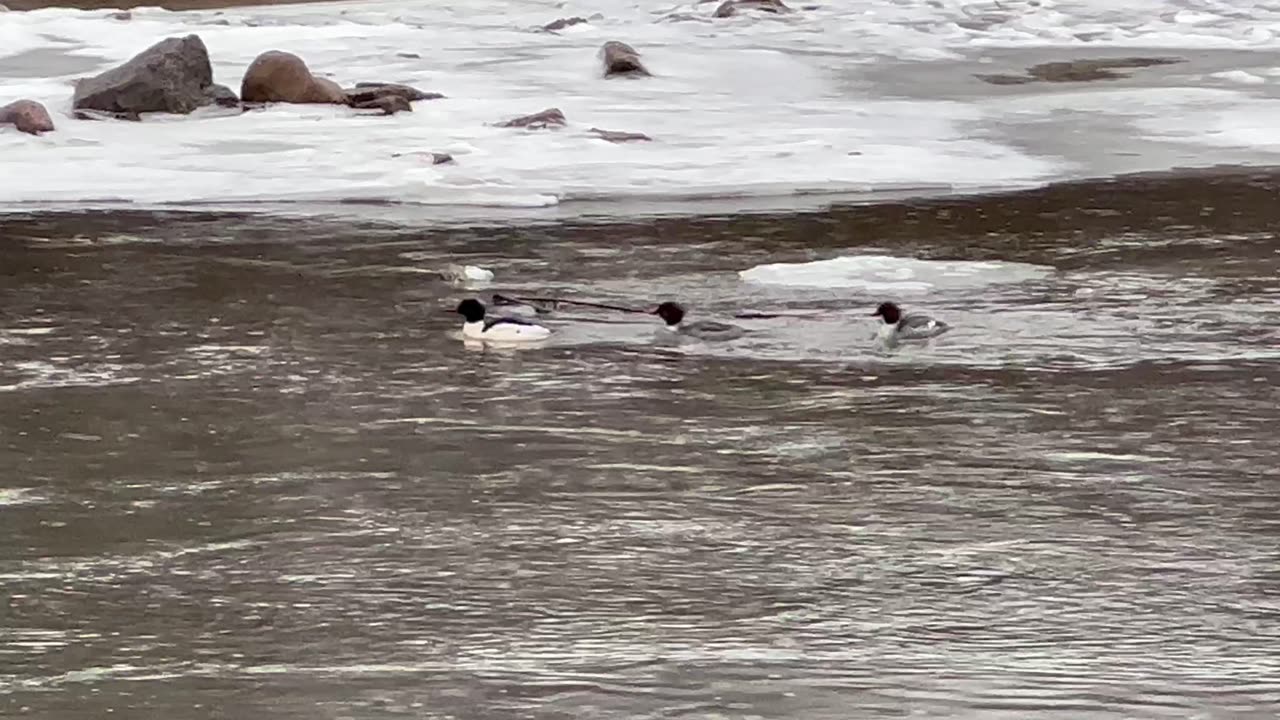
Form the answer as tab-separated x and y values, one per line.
27	116
367	91
729	8
388	104
278	76
563	23
222	96
104	115
551	117
615	136
1084	70
621	59
172	76
436	158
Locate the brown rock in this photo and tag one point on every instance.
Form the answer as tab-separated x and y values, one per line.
621	59
277	76
27	116
729	8
551	117
388	104
615	136
366	91
563	23
172	76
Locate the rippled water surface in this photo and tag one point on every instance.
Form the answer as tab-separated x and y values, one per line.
249	470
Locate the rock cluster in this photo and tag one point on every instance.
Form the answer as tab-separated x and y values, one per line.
175	76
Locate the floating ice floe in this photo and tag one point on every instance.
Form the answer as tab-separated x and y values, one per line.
889	275
467	274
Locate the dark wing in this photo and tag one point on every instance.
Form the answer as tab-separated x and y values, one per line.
725	331
505	321
713	326
921	326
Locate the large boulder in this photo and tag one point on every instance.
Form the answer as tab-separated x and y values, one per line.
172	76
621	59
28	116
278	76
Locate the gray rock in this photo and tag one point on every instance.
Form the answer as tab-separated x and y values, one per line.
222	96
563	23
620	59
172	76
369	91
547	118
104	115
388	104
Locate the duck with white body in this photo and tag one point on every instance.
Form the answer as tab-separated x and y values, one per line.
504	329
903	327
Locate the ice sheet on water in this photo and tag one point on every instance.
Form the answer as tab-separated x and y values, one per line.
894	276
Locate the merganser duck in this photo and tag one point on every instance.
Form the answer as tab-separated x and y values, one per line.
504	329
673	315
898	327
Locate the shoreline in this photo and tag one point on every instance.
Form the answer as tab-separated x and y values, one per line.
1181	201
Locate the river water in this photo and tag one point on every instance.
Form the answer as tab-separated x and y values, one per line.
250	471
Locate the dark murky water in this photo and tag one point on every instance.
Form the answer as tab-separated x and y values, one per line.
248	472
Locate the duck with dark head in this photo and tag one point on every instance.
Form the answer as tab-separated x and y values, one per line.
897	326
476	326
672	315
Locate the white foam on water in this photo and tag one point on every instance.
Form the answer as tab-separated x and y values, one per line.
753	106
893	276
